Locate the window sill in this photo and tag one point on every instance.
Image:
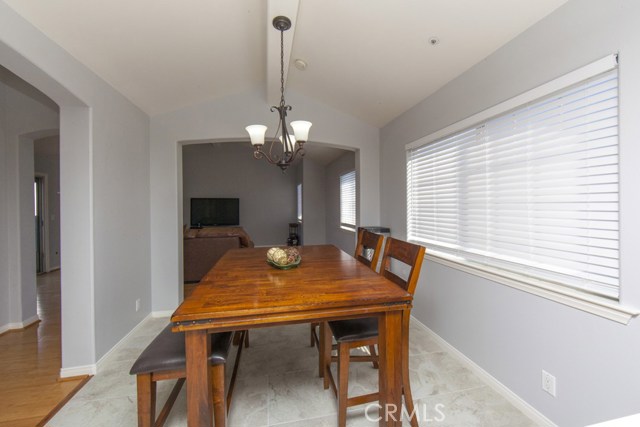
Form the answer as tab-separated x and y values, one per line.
346	228
576	299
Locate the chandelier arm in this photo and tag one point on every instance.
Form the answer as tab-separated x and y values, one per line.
259	154
272	155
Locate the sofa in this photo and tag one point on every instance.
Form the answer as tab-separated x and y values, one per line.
203	247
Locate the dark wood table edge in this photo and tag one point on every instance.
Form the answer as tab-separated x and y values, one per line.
284	318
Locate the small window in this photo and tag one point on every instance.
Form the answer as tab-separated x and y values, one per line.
348	200
299	199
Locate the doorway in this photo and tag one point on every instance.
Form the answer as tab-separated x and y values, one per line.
39	196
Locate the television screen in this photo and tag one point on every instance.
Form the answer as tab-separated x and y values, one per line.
211	212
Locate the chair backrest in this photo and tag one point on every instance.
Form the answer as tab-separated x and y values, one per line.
368	241
408	253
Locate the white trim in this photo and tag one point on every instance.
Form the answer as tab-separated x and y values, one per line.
30	320
165	313
567	296
19	325
77	371
600	66
96	367
531	412
105	357
91	236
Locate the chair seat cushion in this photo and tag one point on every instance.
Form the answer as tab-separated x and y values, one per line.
167	352
354	329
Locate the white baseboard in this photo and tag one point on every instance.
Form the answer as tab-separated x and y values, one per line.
105	357
165	313
78	371
19	325
492	382
29	321
95	368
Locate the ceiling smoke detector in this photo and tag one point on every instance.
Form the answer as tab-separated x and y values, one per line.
300	64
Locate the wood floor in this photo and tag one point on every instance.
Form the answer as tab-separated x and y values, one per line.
30	363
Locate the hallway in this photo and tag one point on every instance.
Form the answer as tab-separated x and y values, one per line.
31	363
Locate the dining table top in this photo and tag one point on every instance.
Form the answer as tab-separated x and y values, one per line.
243	289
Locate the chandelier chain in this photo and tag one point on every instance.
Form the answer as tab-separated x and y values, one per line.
281	68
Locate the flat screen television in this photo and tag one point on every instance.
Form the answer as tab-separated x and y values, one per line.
212	212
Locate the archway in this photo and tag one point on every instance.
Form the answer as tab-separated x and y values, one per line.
78	349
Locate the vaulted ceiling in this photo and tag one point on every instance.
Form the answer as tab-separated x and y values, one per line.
372	59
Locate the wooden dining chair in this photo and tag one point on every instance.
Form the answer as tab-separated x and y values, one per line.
367	252
354	333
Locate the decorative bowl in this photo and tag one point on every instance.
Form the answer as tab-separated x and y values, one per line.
285	266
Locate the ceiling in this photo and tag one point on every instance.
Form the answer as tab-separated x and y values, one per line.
368	58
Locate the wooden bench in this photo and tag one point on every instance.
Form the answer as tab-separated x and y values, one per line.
165	359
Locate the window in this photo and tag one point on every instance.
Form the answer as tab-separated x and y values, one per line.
531	190
299	200
348	200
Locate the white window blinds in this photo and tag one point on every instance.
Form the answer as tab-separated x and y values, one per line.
348	200
532	191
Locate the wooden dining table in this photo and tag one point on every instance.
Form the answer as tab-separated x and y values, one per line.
242	291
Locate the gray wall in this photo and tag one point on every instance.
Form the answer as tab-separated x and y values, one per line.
224	120
344	239
512	334
267	196
313	203
46	153
104	200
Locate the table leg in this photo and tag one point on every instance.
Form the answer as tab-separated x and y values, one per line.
324	350
199	395
390	372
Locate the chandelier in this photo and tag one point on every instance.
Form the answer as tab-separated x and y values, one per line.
285	149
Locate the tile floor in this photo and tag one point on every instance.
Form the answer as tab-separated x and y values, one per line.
281	388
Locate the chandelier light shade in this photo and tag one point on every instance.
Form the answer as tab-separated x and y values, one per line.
284	148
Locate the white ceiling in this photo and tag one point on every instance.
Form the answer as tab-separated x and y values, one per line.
368	58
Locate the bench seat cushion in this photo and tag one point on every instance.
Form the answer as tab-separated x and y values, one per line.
167	352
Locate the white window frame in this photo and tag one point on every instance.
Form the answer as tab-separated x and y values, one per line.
348	213
603	307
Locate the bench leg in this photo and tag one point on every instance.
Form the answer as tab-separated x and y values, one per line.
146	400
219	396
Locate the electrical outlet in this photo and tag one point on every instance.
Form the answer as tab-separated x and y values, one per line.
138	304
549	383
